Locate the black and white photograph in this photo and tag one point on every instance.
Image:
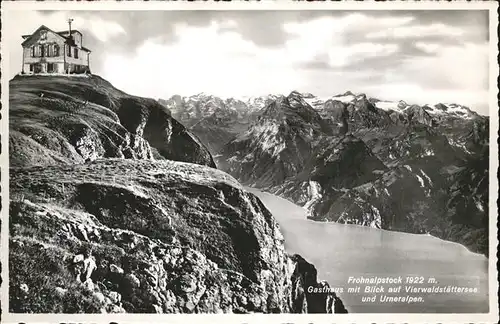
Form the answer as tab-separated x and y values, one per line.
260	161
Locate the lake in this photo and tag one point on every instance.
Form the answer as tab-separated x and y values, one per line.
341	251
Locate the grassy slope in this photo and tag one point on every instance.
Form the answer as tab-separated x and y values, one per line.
61	119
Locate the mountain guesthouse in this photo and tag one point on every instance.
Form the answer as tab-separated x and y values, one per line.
47	51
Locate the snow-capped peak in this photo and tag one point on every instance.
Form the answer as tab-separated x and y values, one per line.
450	109
391	105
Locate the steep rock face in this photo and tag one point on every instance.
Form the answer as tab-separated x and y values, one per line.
61	119
255	104
336	113
467	204
215	121
364	115
343	162
427	187
416	143
417	114
469	135
281	140
337	166
219	128
168	237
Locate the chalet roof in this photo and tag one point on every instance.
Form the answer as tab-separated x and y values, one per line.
69	40
61	33
67	32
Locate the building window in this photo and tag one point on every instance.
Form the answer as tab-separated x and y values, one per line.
43	35
38	51
32	67
32	49
76	52
50	67
68	48
53	50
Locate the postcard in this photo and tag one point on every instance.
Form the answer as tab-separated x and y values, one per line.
249	162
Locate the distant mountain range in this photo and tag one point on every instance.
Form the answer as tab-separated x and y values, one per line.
214	120
353	159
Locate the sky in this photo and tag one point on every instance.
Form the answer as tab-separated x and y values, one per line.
421	57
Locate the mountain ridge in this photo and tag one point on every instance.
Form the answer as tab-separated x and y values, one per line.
72	120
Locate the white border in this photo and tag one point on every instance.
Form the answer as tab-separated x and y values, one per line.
491	317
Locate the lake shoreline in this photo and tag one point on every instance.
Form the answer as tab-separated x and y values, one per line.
250	189
340	251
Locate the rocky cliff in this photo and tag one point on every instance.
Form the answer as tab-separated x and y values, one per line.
168	237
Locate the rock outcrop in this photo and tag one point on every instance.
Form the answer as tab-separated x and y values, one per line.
317	296
168	237
62	119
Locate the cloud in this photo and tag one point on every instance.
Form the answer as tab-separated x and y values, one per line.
218	59
103	30
326	26
327	35
58	20
205	59
417	31
429	48
463	67
340	56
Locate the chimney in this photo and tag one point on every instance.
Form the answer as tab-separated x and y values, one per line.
70	20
